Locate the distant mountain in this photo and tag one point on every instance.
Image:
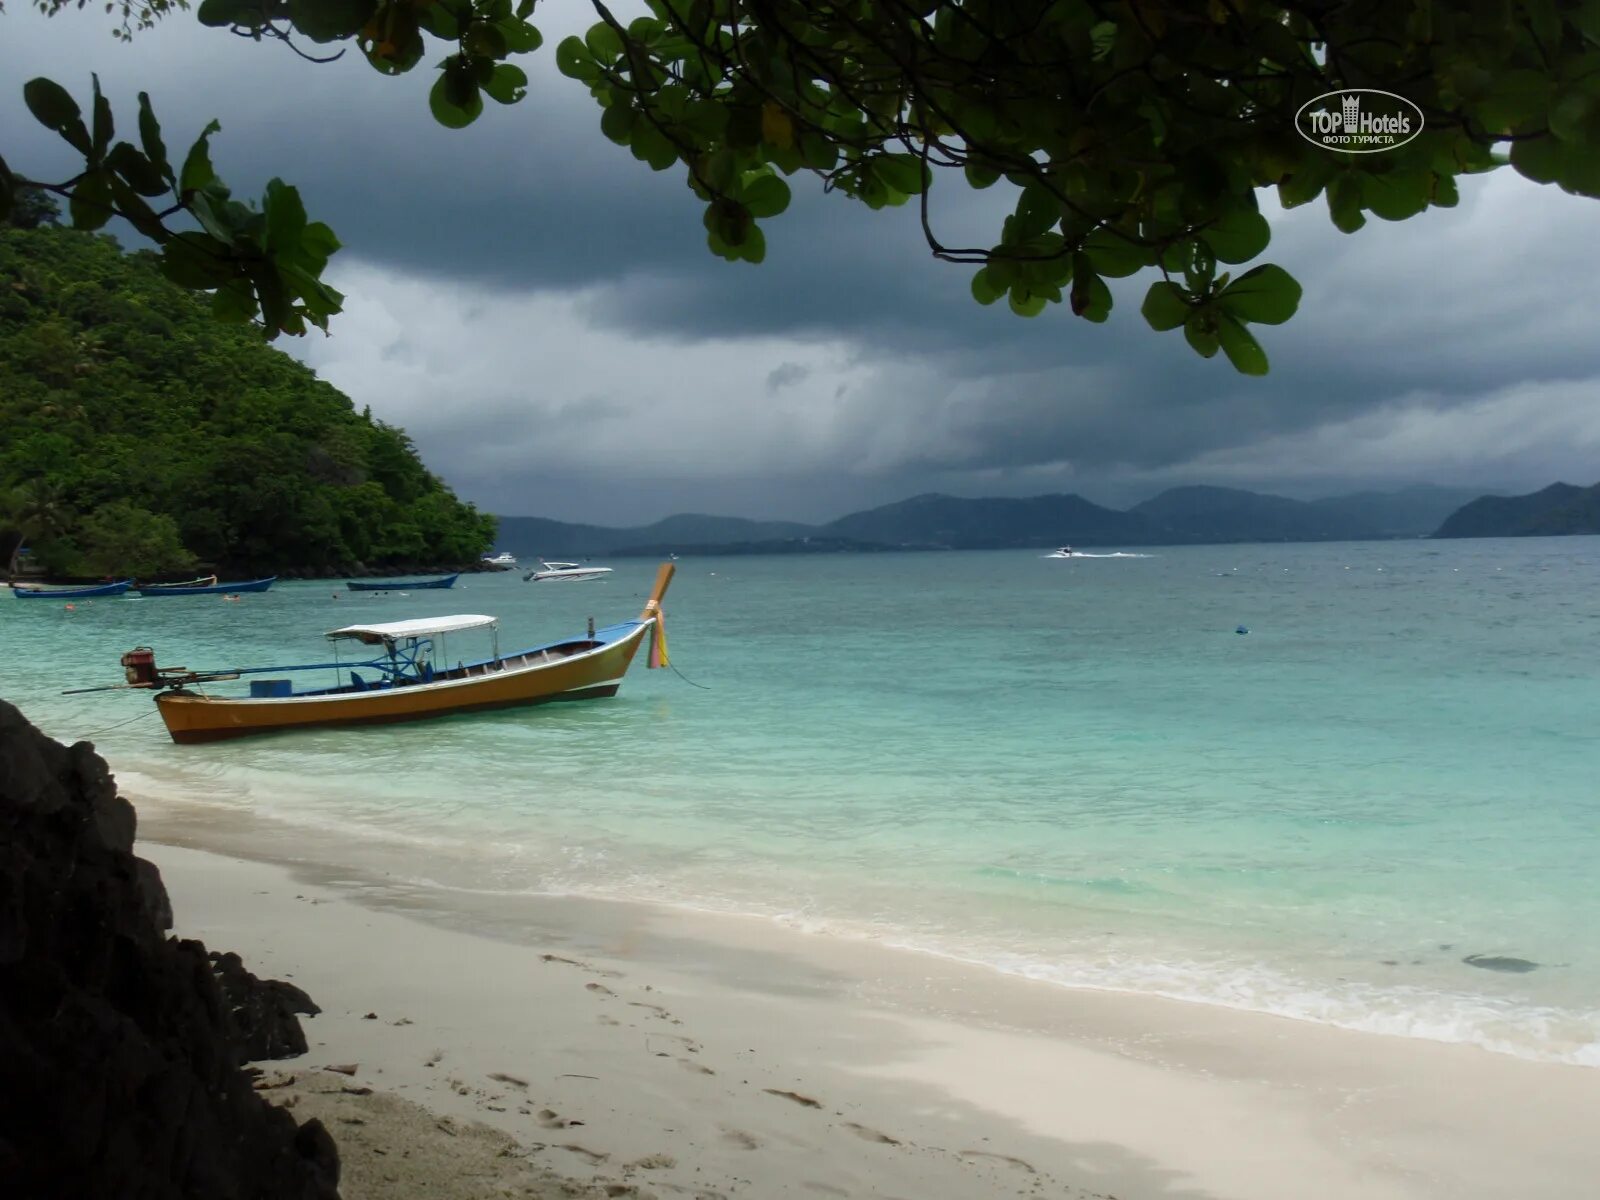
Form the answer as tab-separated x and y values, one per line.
1560	508
535	537
956	523
1184	515
1410	512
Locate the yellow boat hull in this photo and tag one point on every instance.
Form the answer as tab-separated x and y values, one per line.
192	716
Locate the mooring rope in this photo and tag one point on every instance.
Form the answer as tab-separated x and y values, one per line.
118	725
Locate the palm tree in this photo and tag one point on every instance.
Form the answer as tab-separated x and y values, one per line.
36	510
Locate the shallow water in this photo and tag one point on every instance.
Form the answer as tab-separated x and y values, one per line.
1073	769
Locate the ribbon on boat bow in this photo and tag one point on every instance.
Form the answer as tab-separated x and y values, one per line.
658	638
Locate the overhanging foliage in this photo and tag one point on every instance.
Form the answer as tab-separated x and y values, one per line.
1134	135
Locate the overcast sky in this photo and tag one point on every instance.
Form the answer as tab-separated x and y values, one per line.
540	312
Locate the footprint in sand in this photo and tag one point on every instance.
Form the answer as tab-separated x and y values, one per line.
1005	1158
594	1156
599	989
741	1139
550	1119
583	966
605	1020
654	1008
695	1068
871	1135
805	1101
652	1162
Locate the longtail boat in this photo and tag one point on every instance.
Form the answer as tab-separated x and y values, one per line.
402	585
410	678
73	593
206	587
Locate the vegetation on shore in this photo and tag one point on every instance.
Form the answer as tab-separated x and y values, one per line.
143	437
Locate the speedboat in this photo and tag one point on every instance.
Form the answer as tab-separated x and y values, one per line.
503	559
1063	552
410	677
564	572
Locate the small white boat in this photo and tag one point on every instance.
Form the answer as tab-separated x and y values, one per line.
1063	552
503	559
564	572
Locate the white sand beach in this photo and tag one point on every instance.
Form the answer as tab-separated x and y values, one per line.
562	1047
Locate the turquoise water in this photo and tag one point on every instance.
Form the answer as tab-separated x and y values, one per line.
1073	770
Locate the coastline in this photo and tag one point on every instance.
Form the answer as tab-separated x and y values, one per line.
709	1055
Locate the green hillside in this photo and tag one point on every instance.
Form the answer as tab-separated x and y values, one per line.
141	436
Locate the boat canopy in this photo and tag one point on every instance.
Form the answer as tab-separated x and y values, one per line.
392	631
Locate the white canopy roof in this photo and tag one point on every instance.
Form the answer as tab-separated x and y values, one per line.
421	627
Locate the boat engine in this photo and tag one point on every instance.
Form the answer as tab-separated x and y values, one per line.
139	665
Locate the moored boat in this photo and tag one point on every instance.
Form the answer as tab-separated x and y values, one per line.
503	559
206	587
402	585
564	572
71	593
410	679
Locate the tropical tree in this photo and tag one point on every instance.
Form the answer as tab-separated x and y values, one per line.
1127	136
34	512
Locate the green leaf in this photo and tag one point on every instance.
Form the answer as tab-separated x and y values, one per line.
1396	195
1090	297
603	42
454	99
1241	347
1238	235
1166	306
54	108
219	14
91	201
197	170
234	302
1200	331
484	40
979	176
1026	302
150	138
1344	203
138	170
766	196
331	20
196	260
1267	295
574	60
652	146
754	247
617	123
8	191
285	215
984	288
508	84
1113	255
104	127
903	173
521	37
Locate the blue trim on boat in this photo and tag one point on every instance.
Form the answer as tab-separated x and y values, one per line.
211	589
398	585
83	593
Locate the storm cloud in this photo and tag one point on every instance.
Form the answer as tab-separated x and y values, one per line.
539	310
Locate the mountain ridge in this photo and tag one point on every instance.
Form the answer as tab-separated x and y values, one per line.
938	521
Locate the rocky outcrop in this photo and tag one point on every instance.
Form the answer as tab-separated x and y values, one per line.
120	1053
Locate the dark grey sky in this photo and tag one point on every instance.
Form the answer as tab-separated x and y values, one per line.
539	310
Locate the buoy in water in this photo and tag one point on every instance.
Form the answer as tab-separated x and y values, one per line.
1241	629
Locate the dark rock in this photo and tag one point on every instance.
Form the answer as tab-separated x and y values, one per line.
1496	962
120	1052
262	1010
